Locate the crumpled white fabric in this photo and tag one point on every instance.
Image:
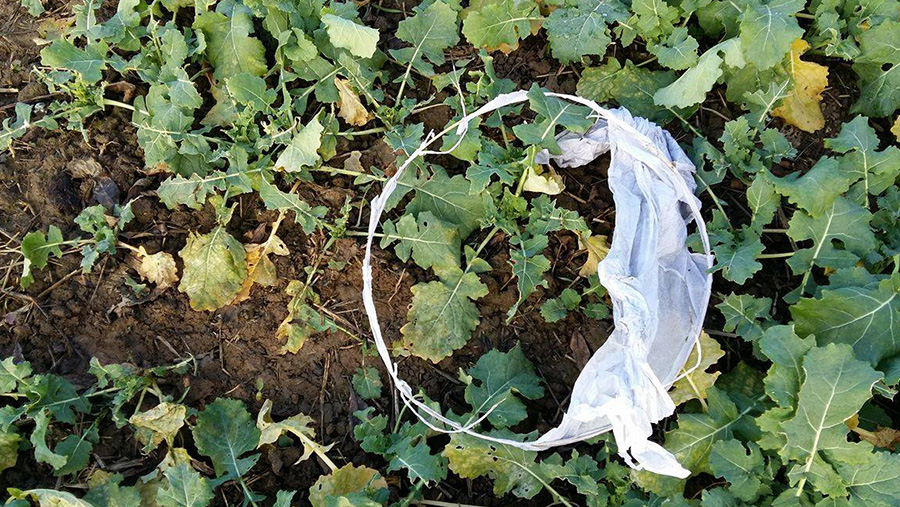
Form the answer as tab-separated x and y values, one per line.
659	289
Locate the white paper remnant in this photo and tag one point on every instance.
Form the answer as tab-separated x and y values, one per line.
659	289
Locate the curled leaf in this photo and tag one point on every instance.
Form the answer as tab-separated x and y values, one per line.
158	268
801	107
548	183
260	268
695	383
351	109
597	248
159	423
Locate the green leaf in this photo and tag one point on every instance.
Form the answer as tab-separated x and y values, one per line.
873	483
42	452
493	161
817	189
513	470
493	383
552	112
844	221
871	171
88	62
186	488
528	266
786	351
9	448
429	241
691	88
631	86
230	48
36	250
448	199
12	374
309	218
303	320
215	267
863	317
742	312
581	28
349	486
500	24
442	316
77	450
12	130
360	40
835	388
768	29
49	498
35	7
692	440
736	255
652	19
224	432
249	90
762	200
367	383
303	150
729	460
417	459
432	30
878	68
284	498
678	52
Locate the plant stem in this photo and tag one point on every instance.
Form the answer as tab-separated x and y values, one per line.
781	255
350	133
116	103
335	170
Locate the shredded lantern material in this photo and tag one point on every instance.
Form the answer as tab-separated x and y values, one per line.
659	288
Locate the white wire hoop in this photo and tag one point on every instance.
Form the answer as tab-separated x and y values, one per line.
662	166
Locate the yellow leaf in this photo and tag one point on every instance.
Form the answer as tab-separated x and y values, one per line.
158	268
159	423
351	109
801	107
695	383
597	248
896	129
260	269
548	183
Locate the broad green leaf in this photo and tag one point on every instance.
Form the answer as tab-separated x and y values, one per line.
11	130
224	432
786	351
417	459
303	320
736	254
344	33
873	483
161	422
230	48
844	221
309	218
729	460
35	7
678	52
691	88
528	266
367	383
581	28
742	312
186	488
512	470
88	62
284	498
448	199
349	486
552	112
77	449
545	216
583	473
694	384
871	171
432	30
12	374
763	200
42	452
835	388
251	91
863	317
500	24
652	19
442	316
493	383
816	190
426	239
768	29
493	162
630	86
107	491
303	150
878	68
214	269
300	425
36	250
9	449
692	440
